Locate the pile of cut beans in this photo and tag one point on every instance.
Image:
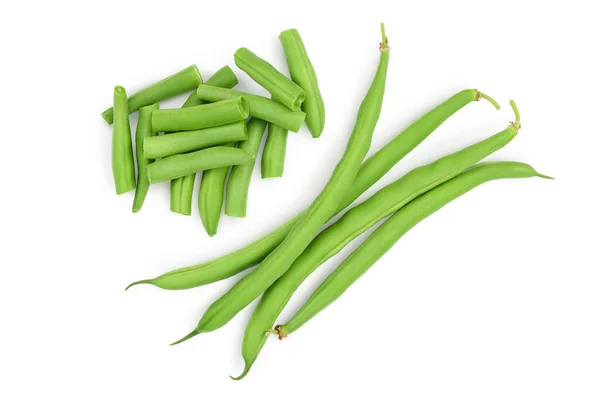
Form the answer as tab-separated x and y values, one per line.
218	132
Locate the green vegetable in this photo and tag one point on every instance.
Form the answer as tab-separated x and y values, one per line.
281	88
180	82
240	176
303	73
380	241
142	132
122	150
202	116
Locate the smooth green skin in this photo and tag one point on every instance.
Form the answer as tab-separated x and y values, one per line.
180	82
181	194
371	171
323	207
200	117
240	176
189	163
186	141
356	221
182	188
122	149
382	240
273	156
210	196
303	73
283	89
260	107
143	131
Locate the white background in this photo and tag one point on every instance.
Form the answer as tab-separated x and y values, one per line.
497	296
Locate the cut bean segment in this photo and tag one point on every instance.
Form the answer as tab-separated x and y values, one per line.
143	132
382	240
224	78
303	73
260	107
180	82
273	156
281	88
240	176
185	164
122	150
186	141
199	117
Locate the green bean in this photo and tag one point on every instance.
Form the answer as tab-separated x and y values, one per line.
183	142
380	241
224	78
202	116
240	176
384	159
303	73
180	82
322	208
143	131
273	156
356	221
181	194
210	196
183	188
281	87
201	160
260	107
122	150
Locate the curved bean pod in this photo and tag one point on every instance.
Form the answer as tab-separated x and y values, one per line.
356	221
186	141
143	131
201	160
231	264
183	188
273	156
210	196
323	207
380	241
240	176
180	82
260	107
122	150
303	73
281	87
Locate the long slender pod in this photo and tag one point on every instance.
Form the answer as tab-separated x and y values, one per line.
322	208
143	131
183	188
303	73
180	82
240	175
356	221
382	240
371	171
122	150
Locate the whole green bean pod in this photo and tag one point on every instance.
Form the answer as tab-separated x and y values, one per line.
202	116
303	73
143	131
356	221
210	196
322	208
122	150
180	82
273	156
183	188
246	257
380	241
260	107
240	176
201	160
281	87
186	141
